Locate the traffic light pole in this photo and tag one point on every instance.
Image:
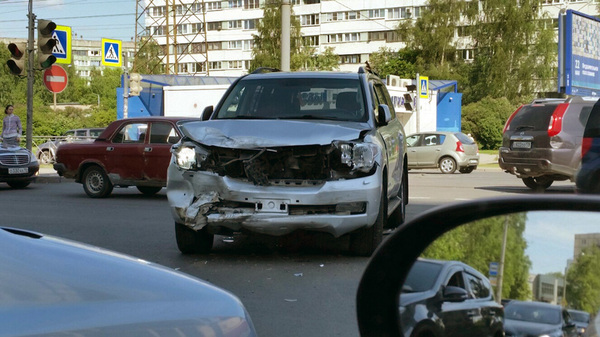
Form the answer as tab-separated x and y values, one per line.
30	76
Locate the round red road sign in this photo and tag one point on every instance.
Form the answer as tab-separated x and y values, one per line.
55	79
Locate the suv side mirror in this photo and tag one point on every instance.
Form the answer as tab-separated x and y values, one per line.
207	113
384	116
454	294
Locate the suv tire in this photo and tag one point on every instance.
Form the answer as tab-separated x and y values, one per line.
149	190
538	183
190	241
468	169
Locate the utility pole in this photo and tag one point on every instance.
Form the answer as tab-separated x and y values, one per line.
285	34
30	76
125	87
501	267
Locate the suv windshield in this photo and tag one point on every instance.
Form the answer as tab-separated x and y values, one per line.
295	98
421	277
533	117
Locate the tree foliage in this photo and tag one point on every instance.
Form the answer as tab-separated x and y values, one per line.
148	58
583	281
485	119
479	243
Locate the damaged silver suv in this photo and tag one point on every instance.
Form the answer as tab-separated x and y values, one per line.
288	151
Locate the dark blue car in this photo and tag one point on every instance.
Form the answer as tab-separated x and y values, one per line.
588	176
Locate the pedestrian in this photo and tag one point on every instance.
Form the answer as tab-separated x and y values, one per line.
11	128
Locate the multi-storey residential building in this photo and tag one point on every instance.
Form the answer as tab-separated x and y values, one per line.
86	54
583	241
220	36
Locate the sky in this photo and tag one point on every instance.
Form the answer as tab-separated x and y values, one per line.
88	19
550	237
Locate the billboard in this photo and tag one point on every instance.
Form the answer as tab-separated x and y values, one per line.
578	54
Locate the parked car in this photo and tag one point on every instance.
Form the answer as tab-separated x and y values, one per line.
56	287
541	141
47	151
588	175
448	298
447	151
537	319
316	151
129	152
18	166
581	320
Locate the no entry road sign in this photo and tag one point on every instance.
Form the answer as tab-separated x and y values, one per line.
55	79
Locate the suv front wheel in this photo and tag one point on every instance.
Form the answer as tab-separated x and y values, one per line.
538	183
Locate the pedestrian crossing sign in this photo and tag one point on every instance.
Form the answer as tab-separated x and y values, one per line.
111	53
423	87
62	49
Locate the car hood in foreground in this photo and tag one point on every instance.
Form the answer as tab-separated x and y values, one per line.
52	287
271	133
524	328
13	150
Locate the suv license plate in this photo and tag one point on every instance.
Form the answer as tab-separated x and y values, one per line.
521	145
18	170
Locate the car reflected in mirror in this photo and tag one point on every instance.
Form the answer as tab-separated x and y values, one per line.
494	267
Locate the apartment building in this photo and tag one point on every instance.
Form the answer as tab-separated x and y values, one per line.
86	54
583	241
219	39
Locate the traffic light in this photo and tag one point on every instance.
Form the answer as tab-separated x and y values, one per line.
16	64
46	43
135	84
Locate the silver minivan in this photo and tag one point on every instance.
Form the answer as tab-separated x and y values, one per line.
445	150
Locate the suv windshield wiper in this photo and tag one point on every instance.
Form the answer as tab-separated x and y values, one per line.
310	117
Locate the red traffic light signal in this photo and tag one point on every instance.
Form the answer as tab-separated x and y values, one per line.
16	64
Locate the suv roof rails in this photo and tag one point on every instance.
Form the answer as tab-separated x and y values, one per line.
547	100
263	70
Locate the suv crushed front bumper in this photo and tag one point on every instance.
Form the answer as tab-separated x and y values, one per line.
199	198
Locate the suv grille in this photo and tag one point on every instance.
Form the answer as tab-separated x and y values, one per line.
14	159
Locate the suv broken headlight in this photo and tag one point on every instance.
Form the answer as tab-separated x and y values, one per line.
188	157
358	156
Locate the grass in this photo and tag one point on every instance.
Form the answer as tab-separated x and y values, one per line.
489	151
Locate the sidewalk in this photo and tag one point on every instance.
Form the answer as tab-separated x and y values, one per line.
49	175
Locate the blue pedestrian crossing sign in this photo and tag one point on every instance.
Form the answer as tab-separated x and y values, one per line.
423	87
111	53
62	49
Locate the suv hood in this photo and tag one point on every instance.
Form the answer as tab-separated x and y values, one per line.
271	133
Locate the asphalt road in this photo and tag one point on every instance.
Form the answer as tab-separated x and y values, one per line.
300	285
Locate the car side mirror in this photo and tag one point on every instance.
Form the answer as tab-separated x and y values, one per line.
455	294
384	116
207	113
388	284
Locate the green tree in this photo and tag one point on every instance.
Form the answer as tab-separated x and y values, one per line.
485	119
514	51
148	58
401	63
479	243
583	281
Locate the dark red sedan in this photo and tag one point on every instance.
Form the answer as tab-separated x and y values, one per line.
130	152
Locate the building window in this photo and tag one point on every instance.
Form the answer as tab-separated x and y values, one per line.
179	9
251	4
351	15
235	24
214	26
198	48
158	30
248	44
94	63
199	67
182	29
335	38
214	65
250	24
183	48
376	13
351	37
158	11
235	4
235	45
376	36
182	68
350	59
309	20
392	37
196	7
419	11
215	46
311	2
197	27
247	64
235	64
329	17
93	53
467	54
213	5
312	40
